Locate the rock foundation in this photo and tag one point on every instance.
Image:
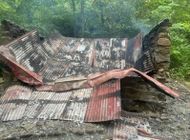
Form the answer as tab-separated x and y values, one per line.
158	40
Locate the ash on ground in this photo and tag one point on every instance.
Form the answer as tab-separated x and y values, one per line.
173	122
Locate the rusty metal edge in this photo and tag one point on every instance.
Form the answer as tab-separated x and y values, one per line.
120	74
20	38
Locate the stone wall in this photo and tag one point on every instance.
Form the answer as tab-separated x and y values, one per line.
158	41
139	96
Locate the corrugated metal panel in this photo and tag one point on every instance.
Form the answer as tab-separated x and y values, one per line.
17	96
54	70
36	95
52	111
13	111
32	109
20	102
145	62
65	105
16	92
29	53
59	56
98	79
104	103
46	105
19	52
76	109
20	71
55	107
1	110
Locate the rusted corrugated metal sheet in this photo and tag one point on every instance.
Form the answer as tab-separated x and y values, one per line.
94	80
52	111
70	83
32	109
20	101
19	71
59	57
104	103
13	111
120	74
70	57
47	105
77	107
29	52
62	105
55	107
13	103
36	95
16	92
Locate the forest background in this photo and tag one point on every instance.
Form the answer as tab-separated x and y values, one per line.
107	18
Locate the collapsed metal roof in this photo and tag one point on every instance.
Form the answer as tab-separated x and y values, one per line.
60	64
75	79
51	59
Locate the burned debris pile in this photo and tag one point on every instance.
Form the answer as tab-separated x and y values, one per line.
82	79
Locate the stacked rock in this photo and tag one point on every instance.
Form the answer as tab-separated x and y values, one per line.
158	41
162	53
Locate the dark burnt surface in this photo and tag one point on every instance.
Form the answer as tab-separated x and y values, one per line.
13	30
151	47
149	39
60	57
56	57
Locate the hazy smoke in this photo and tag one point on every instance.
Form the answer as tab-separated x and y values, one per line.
87	18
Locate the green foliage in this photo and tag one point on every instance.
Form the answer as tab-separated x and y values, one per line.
180	64
80	18
178	12
107	18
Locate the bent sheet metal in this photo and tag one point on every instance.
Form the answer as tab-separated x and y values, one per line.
75	79
54	61
59	57
72	74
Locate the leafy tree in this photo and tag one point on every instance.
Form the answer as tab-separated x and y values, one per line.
178	12
106	18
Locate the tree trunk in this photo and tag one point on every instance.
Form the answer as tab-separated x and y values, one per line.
74	17
82	2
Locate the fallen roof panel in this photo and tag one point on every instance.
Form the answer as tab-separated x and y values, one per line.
98	79
76	109
104	103
59	57
18	70
16	92
21	102
12	111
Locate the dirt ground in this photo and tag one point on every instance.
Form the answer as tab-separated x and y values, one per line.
173	122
